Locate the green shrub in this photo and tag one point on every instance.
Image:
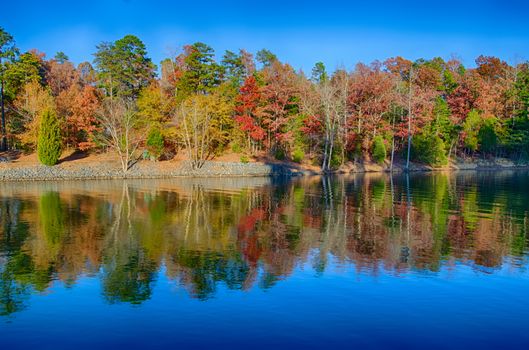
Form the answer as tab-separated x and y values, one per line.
429	148
471	128
244	159
488	135
155	142
379	149
336	158
49	143
298	155
280	154
236	148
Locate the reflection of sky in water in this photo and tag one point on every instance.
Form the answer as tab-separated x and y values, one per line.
309	263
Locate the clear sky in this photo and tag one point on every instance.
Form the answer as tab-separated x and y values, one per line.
339	33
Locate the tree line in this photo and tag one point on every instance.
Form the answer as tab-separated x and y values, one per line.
427	111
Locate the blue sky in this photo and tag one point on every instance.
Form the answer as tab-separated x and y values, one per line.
339	33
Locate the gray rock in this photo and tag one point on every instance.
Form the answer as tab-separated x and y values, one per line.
145	170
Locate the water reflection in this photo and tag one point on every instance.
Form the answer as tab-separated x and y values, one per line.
252	233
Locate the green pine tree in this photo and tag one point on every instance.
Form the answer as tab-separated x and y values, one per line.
49	144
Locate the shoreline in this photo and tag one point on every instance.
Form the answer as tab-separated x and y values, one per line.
155	170
142	170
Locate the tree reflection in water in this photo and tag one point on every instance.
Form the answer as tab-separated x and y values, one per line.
246	233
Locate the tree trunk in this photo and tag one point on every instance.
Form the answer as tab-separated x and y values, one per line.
410	115
392	154
392	144
325	153
3	144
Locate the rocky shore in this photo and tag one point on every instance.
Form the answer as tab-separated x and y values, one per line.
142	170
146	170
456	165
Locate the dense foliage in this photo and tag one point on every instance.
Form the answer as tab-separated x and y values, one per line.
427	110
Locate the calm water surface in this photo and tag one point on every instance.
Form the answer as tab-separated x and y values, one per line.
429	262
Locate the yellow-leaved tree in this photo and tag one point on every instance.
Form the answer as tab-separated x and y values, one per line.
29	105
202	125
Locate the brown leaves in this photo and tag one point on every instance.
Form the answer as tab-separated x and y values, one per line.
61	76
78	107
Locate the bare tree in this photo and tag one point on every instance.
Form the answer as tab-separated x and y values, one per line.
329	104
398	101
120	129
343	81
410	116
194	117
322	100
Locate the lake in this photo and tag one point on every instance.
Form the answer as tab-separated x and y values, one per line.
426	261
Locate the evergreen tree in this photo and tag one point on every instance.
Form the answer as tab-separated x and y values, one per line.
201	74
123	66
61	57
49	145
233	67
28	67
265	57
319	74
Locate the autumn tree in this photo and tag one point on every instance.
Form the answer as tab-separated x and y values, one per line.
247	113
279	105
82	123
424	87
61	75
154	105
120	129
195	118
202	98
76	100
170	74
371	97
28	107
491	68
320	101
87	73
19	76
328	109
